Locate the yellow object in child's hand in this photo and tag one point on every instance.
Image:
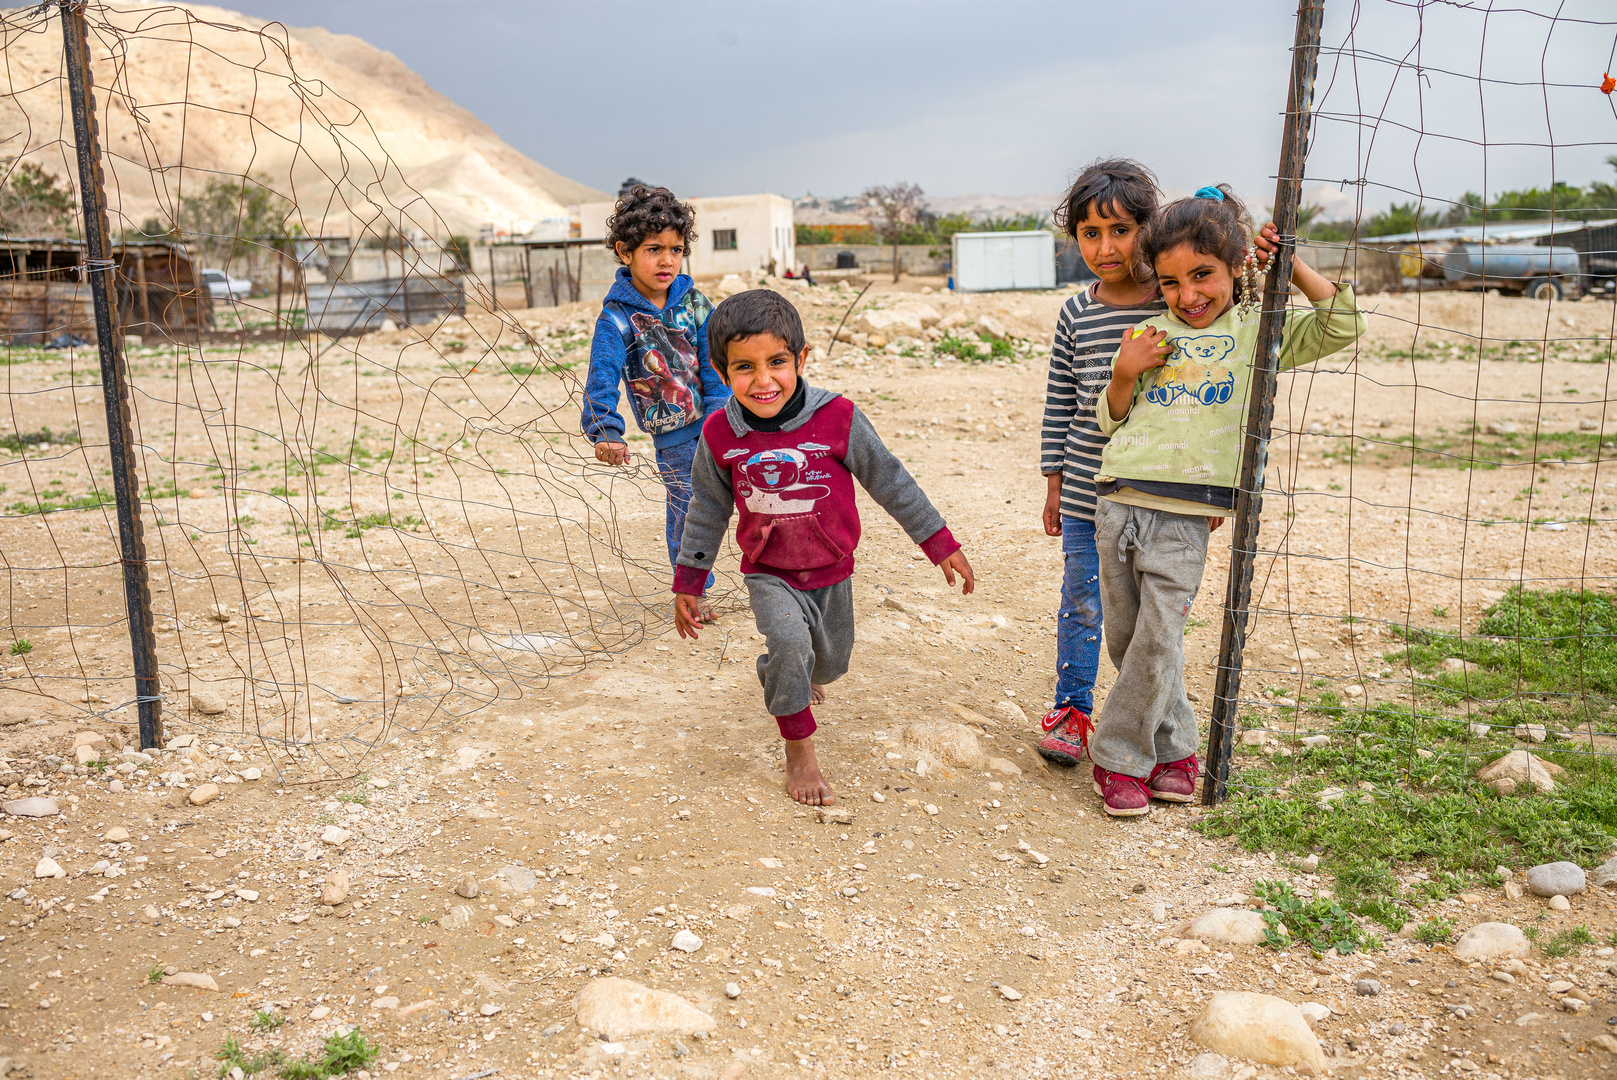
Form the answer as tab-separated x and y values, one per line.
1138	330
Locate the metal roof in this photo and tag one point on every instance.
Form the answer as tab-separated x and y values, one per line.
1503	232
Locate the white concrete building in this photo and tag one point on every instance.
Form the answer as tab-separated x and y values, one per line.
736	234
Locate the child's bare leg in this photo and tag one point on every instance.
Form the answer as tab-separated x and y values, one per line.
816	693
804	781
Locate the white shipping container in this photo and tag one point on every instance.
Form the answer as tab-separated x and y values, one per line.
992	261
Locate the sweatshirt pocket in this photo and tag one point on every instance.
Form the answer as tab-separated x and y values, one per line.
794	542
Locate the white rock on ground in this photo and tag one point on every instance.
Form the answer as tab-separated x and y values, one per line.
1261	1028
335	890
1209	1066
203	794
191	978
619	1008
1556	879
1526	769
953	743
33	806
49	868
207	703
457	918
467	887
685	941
335	835
1314	1013
1604	875
1229	925
1490	941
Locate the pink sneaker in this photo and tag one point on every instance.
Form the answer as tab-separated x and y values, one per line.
1175	781
1125	796
1067	739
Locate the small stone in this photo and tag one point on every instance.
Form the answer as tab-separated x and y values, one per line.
931	809
207	703
116	835
1513	890
1003	766
1009	993
1605	875
1314	1013
1560	903
876	796
732	990
335	889
521	879
1209	1067
191	978
335	835
1422	752
605	940
86	754
1490	941
467	887
49	868
319	1012
1531	732
1478	731
204	794
458	918
1555	879
387	1002
1505	977
685	942
1159	913
953	743
490	1009
151	913
1229	925
1367	988
1455	663
829	816
1605	1042
252	773
1311	863
33	806
1314	742
1261	1028
1530	772
619	1008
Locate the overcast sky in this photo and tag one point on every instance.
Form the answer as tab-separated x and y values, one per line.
963	98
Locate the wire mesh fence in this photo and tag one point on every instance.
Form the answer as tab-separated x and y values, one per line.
1431	659
365	500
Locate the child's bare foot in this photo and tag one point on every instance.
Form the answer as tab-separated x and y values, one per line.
803	780
816	694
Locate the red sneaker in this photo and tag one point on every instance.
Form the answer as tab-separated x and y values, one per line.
1125	796
1175	781
1068	731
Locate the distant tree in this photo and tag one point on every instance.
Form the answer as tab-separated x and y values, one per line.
32	202
894	210
228	219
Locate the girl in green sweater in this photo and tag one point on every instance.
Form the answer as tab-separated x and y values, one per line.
1174	413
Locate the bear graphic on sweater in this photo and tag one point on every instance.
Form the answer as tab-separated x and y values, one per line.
1195	370
769	483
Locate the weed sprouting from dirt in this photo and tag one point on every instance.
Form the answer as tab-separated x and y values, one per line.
21	647
1435	931
1566	942
232	1056
1320	924
343	1054
19	441
267	1020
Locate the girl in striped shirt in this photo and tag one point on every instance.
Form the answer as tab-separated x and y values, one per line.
1103	211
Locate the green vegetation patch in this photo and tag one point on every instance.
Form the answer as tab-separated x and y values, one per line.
19	441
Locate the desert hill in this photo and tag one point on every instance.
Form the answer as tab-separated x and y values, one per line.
346	130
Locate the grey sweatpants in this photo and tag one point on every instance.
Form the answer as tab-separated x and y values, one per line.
1151	564
808	638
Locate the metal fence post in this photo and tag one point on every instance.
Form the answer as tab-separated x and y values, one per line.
114	376
1260	411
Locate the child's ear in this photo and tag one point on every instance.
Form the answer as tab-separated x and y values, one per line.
802	358
622	251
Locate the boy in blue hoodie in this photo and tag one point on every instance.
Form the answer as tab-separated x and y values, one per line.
652	336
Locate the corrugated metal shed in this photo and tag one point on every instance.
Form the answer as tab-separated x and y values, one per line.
355	307
993	261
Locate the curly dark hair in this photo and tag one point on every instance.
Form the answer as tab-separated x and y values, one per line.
644	212
1216	227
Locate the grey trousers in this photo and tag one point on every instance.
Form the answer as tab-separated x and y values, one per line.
1151	564
808	638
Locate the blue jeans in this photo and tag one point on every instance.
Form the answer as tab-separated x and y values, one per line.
1079	622
674	463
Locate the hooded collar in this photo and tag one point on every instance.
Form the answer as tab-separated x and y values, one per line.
814	398
624	292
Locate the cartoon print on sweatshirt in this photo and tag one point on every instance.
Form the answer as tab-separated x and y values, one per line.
768	483
663	374
1196	370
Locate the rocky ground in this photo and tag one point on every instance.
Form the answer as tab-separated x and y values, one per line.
457	888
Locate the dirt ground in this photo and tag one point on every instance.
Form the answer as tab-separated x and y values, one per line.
383	711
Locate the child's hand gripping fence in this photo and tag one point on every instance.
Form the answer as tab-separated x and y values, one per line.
1420	652
364	501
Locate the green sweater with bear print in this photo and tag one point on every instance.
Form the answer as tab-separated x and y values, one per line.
1184	425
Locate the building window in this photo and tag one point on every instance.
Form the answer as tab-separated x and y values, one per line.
724	239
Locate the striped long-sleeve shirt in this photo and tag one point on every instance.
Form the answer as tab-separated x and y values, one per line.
1087	336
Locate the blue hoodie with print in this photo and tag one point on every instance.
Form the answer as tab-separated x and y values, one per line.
660	354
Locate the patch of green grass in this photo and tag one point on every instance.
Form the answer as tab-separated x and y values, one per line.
1320	924
21	647
1547	656
18	441
1435	931
267	1020
232	1056
52	503
155	975
359	797
353	528
1439	449
971	349
342	1054
1566	942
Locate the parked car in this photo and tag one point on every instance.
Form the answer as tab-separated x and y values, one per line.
221	286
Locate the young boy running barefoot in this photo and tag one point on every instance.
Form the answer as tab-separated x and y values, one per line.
1174	410
1104	211
784	455
652	338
